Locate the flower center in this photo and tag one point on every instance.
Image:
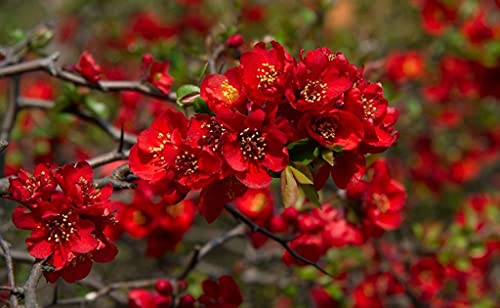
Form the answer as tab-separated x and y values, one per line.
267	76
229	92
186	163
138	217
325	128
314	91
252	144
60	228
212	138
369	108
381	202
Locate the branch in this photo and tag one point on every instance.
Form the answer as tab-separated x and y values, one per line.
10	271
48	65
120	178
283	242
31	284
108	128
200	252
9	118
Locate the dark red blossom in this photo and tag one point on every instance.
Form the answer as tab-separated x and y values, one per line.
476	30
436	15
251	147
68	226
404	66
88	68
319	79
223	292
427	275
338	130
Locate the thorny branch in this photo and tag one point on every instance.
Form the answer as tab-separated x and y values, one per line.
283	242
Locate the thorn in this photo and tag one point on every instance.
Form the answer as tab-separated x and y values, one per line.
122	140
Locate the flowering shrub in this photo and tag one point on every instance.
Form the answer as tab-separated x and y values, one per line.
212	159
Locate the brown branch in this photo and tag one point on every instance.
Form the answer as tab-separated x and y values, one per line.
200	252
49	66
10	271
9	118
108	128
283	242
31	284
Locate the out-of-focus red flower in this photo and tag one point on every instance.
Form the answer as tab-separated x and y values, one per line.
223	292
321	298
39	88
373	290
427	275
476	30
436	15
253	13
404	66
149	26
88	68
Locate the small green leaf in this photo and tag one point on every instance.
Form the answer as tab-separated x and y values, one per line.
303	151
311	194
97	108
200	106
300	176
187	94
328	156
289	188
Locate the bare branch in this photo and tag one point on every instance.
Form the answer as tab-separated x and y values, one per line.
31	284
49	66
283	242
10	271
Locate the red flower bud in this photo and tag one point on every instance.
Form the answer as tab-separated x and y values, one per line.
164	286
186	301
235	40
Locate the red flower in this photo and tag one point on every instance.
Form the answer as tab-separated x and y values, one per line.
235	40
68	226
224	92
266	73
27	188
222	293
436	14
319	79
214	197
256	204
308	246
251	147
157	146
476	30
88	68
371	292
157	73
57	231
337	129
404	66
384	198
428	276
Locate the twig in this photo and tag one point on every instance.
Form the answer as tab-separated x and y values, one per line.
107	158
283	242
9	118
48	65
120	178
10	271
108	128
200	252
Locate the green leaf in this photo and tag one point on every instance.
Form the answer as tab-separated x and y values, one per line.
289	188
97	108
328	156
200	106
303	151
187	94
302	173
311	194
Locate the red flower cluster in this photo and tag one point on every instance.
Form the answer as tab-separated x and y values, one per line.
163	225
69	226
268	101
223	292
